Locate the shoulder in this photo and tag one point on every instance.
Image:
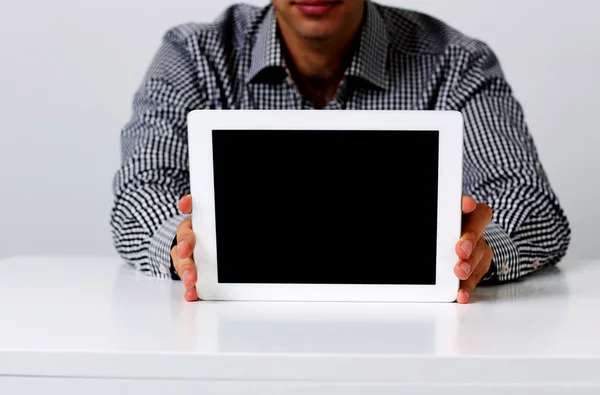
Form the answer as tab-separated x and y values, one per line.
417	33
229	30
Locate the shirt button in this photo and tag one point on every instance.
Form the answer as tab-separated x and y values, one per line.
505	269
536	264
163	270
138	266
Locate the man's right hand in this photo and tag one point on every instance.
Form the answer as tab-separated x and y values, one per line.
182	253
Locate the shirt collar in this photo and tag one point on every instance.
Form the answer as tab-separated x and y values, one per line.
368	62
370	59
267	48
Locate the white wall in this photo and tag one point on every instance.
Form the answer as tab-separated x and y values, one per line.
69	68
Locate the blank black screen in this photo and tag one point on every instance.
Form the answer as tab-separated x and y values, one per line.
325	206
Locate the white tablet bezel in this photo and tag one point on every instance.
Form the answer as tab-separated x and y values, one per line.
201	123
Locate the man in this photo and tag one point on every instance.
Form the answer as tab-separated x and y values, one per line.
335	54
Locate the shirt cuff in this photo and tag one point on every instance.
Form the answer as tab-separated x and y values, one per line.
505	263
159	252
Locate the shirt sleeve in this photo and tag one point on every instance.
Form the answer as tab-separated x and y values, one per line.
529	229
154	173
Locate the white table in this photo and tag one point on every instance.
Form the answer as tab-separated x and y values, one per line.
96	326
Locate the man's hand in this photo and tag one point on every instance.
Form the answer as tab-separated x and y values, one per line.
475	256
182	253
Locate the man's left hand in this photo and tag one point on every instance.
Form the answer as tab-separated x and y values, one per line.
475	256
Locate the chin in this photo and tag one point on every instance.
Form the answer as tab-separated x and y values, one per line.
317	35
317	30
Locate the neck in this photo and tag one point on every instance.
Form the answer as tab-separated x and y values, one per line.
316	59
318	65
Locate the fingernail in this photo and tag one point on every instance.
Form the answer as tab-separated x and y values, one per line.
466	268
186	276
467	247
180	244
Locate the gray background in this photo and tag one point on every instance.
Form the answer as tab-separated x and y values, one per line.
69	70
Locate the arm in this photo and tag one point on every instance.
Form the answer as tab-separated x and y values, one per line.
529	229
154	160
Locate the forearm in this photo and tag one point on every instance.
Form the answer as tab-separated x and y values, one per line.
540	242
144	226
153	177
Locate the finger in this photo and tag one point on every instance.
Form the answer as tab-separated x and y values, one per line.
186	239
468	204
464	268
185	204
174	258
188	273
473	227
191	295
186	267
468	286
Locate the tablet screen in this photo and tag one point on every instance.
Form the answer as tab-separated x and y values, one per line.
326	206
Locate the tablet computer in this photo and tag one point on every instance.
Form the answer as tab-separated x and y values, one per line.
295	205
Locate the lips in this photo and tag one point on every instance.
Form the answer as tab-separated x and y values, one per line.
316	7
